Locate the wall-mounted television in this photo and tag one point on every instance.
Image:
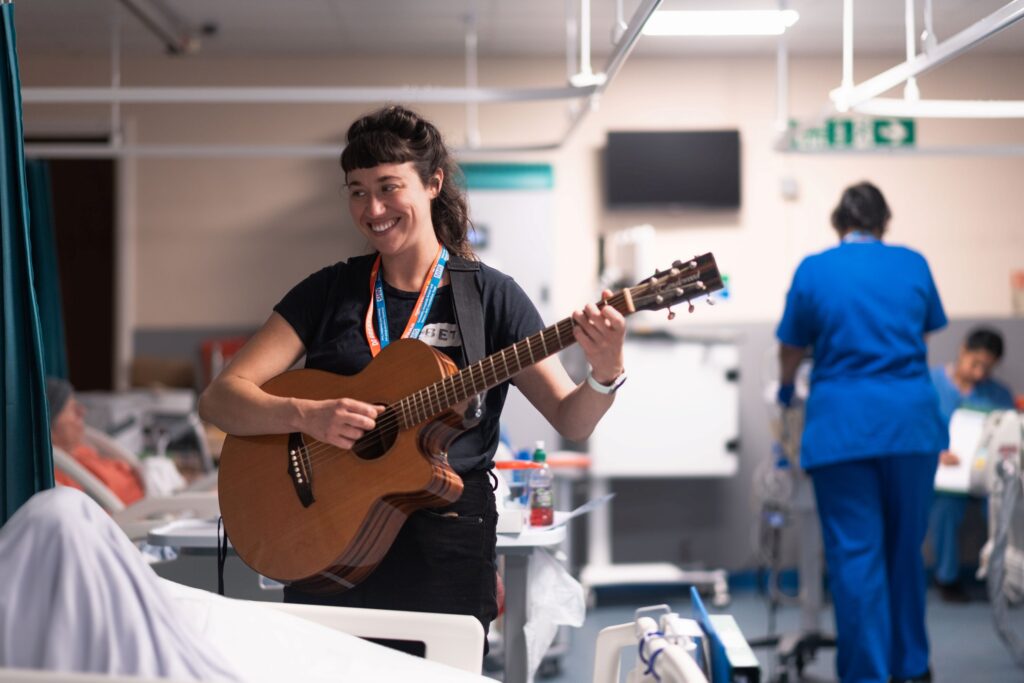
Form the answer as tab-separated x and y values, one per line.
672	169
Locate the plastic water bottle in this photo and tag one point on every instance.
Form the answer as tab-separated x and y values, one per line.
542	496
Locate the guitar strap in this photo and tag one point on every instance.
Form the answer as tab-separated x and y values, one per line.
469	307
469	315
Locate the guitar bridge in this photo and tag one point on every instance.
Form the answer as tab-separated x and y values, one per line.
300	469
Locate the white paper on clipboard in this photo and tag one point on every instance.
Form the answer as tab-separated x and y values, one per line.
965	427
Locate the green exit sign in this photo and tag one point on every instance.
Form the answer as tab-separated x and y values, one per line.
852	133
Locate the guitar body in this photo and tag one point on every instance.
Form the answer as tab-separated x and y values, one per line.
357	500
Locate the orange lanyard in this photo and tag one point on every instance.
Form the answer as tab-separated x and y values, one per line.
417	318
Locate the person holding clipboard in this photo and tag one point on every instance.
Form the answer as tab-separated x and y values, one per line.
964	383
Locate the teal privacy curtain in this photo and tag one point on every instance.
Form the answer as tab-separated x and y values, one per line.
26	463
44	268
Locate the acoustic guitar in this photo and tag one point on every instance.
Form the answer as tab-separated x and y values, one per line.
321	518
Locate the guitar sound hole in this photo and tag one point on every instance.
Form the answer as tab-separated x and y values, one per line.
374	443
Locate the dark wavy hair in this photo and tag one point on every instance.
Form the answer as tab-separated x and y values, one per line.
862	207
396	135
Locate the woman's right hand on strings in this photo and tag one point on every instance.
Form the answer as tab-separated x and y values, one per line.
340	421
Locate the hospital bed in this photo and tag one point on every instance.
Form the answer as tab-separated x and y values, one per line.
453	643
199	499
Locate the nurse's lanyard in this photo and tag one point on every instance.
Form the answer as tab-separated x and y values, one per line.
859	237
419	312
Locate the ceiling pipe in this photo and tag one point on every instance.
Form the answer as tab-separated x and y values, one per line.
847	83
472	63
571	36
620	22
782	79
930	39
910	90
585	76
287	95
115	76
172	31
943	109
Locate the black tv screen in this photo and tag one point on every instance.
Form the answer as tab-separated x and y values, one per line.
664	169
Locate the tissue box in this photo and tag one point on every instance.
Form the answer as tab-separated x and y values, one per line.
511	520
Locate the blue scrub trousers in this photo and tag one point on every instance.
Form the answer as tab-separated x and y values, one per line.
944	531
874	516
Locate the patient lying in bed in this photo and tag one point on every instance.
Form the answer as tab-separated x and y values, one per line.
77	596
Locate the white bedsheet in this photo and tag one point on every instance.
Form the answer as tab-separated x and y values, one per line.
268	645
75	595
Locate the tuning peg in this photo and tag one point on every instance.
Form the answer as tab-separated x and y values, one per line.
710	301
659	299
691	307
692	264
700	285
671	314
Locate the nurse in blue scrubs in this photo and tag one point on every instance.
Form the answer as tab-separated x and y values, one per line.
964	383
872	432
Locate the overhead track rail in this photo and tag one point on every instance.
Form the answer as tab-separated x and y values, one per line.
584	89
858	97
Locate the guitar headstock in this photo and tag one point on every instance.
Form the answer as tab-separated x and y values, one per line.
684	281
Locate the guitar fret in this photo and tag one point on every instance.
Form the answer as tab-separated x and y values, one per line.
421	414
472	379
444	383
494	371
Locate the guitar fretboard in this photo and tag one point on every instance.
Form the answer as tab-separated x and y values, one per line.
442	395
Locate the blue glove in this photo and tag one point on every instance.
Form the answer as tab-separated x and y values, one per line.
785	395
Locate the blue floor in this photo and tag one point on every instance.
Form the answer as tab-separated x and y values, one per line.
964	644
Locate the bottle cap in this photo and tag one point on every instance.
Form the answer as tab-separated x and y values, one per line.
523	455
539	455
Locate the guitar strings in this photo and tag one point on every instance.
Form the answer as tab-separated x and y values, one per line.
389	423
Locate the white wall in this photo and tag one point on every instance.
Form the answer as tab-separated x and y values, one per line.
219	241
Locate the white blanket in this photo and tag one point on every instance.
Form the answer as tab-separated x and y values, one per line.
75	595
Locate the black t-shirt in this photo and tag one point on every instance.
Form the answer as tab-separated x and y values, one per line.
328	309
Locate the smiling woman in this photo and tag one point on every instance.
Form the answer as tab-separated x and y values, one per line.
404	199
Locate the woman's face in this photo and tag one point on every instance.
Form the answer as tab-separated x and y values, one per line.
68	427
391	206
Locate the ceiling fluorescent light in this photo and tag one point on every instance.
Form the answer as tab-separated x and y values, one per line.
721	23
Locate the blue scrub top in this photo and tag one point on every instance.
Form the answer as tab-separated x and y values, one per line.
865	307
987	395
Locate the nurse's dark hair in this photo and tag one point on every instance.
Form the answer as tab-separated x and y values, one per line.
862	207
985	339
396	135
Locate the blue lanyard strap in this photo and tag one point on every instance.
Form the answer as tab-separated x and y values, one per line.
858	236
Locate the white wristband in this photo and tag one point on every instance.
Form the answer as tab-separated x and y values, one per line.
605	388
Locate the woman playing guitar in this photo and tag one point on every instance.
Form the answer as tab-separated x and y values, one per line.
403	197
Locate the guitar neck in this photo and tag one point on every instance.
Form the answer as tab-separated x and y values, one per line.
499	367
